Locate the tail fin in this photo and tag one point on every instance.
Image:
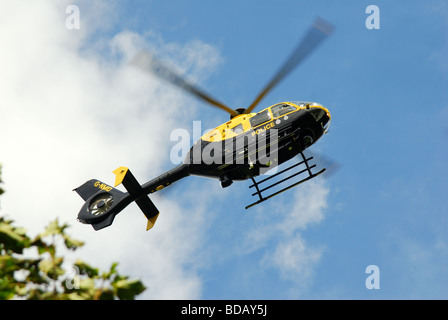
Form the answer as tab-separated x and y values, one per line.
103	202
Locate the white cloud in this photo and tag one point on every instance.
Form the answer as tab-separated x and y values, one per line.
294	259
279	233
68	114
309	204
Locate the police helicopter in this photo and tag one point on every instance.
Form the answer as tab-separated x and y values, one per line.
246	146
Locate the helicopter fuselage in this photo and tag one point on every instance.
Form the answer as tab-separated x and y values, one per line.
251	144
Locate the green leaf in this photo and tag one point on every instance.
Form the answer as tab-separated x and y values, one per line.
12	239
105	294
53	228
112	272
52	267
87	284
42	247
71	243
45	265
6	293
128	289
85	269
76	296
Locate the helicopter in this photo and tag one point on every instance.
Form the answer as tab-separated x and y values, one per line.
245	147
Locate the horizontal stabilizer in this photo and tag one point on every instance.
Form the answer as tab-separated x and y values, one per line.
151	222
147	206
124	176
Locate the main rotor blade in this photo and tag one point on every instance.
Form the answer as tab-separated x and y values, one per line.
148	62
318	32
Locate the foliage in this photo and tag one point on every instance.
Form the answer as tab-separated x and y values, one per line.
30	268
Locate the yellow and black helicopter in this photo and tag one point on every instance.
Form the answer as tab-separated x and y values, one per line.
246	146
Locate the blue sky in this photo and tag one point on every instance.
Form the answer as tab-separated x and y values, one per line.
386	91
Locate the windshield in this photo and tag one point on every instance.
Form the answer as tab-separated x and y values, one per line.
321	116
260	118
281	109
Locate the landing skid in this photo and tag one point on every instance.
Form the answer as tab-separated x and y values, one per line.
306	170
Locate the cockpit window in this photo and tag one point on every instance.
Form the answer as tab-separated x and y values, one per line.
238	129
317	113
303	104
321	116
260	118
282	109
